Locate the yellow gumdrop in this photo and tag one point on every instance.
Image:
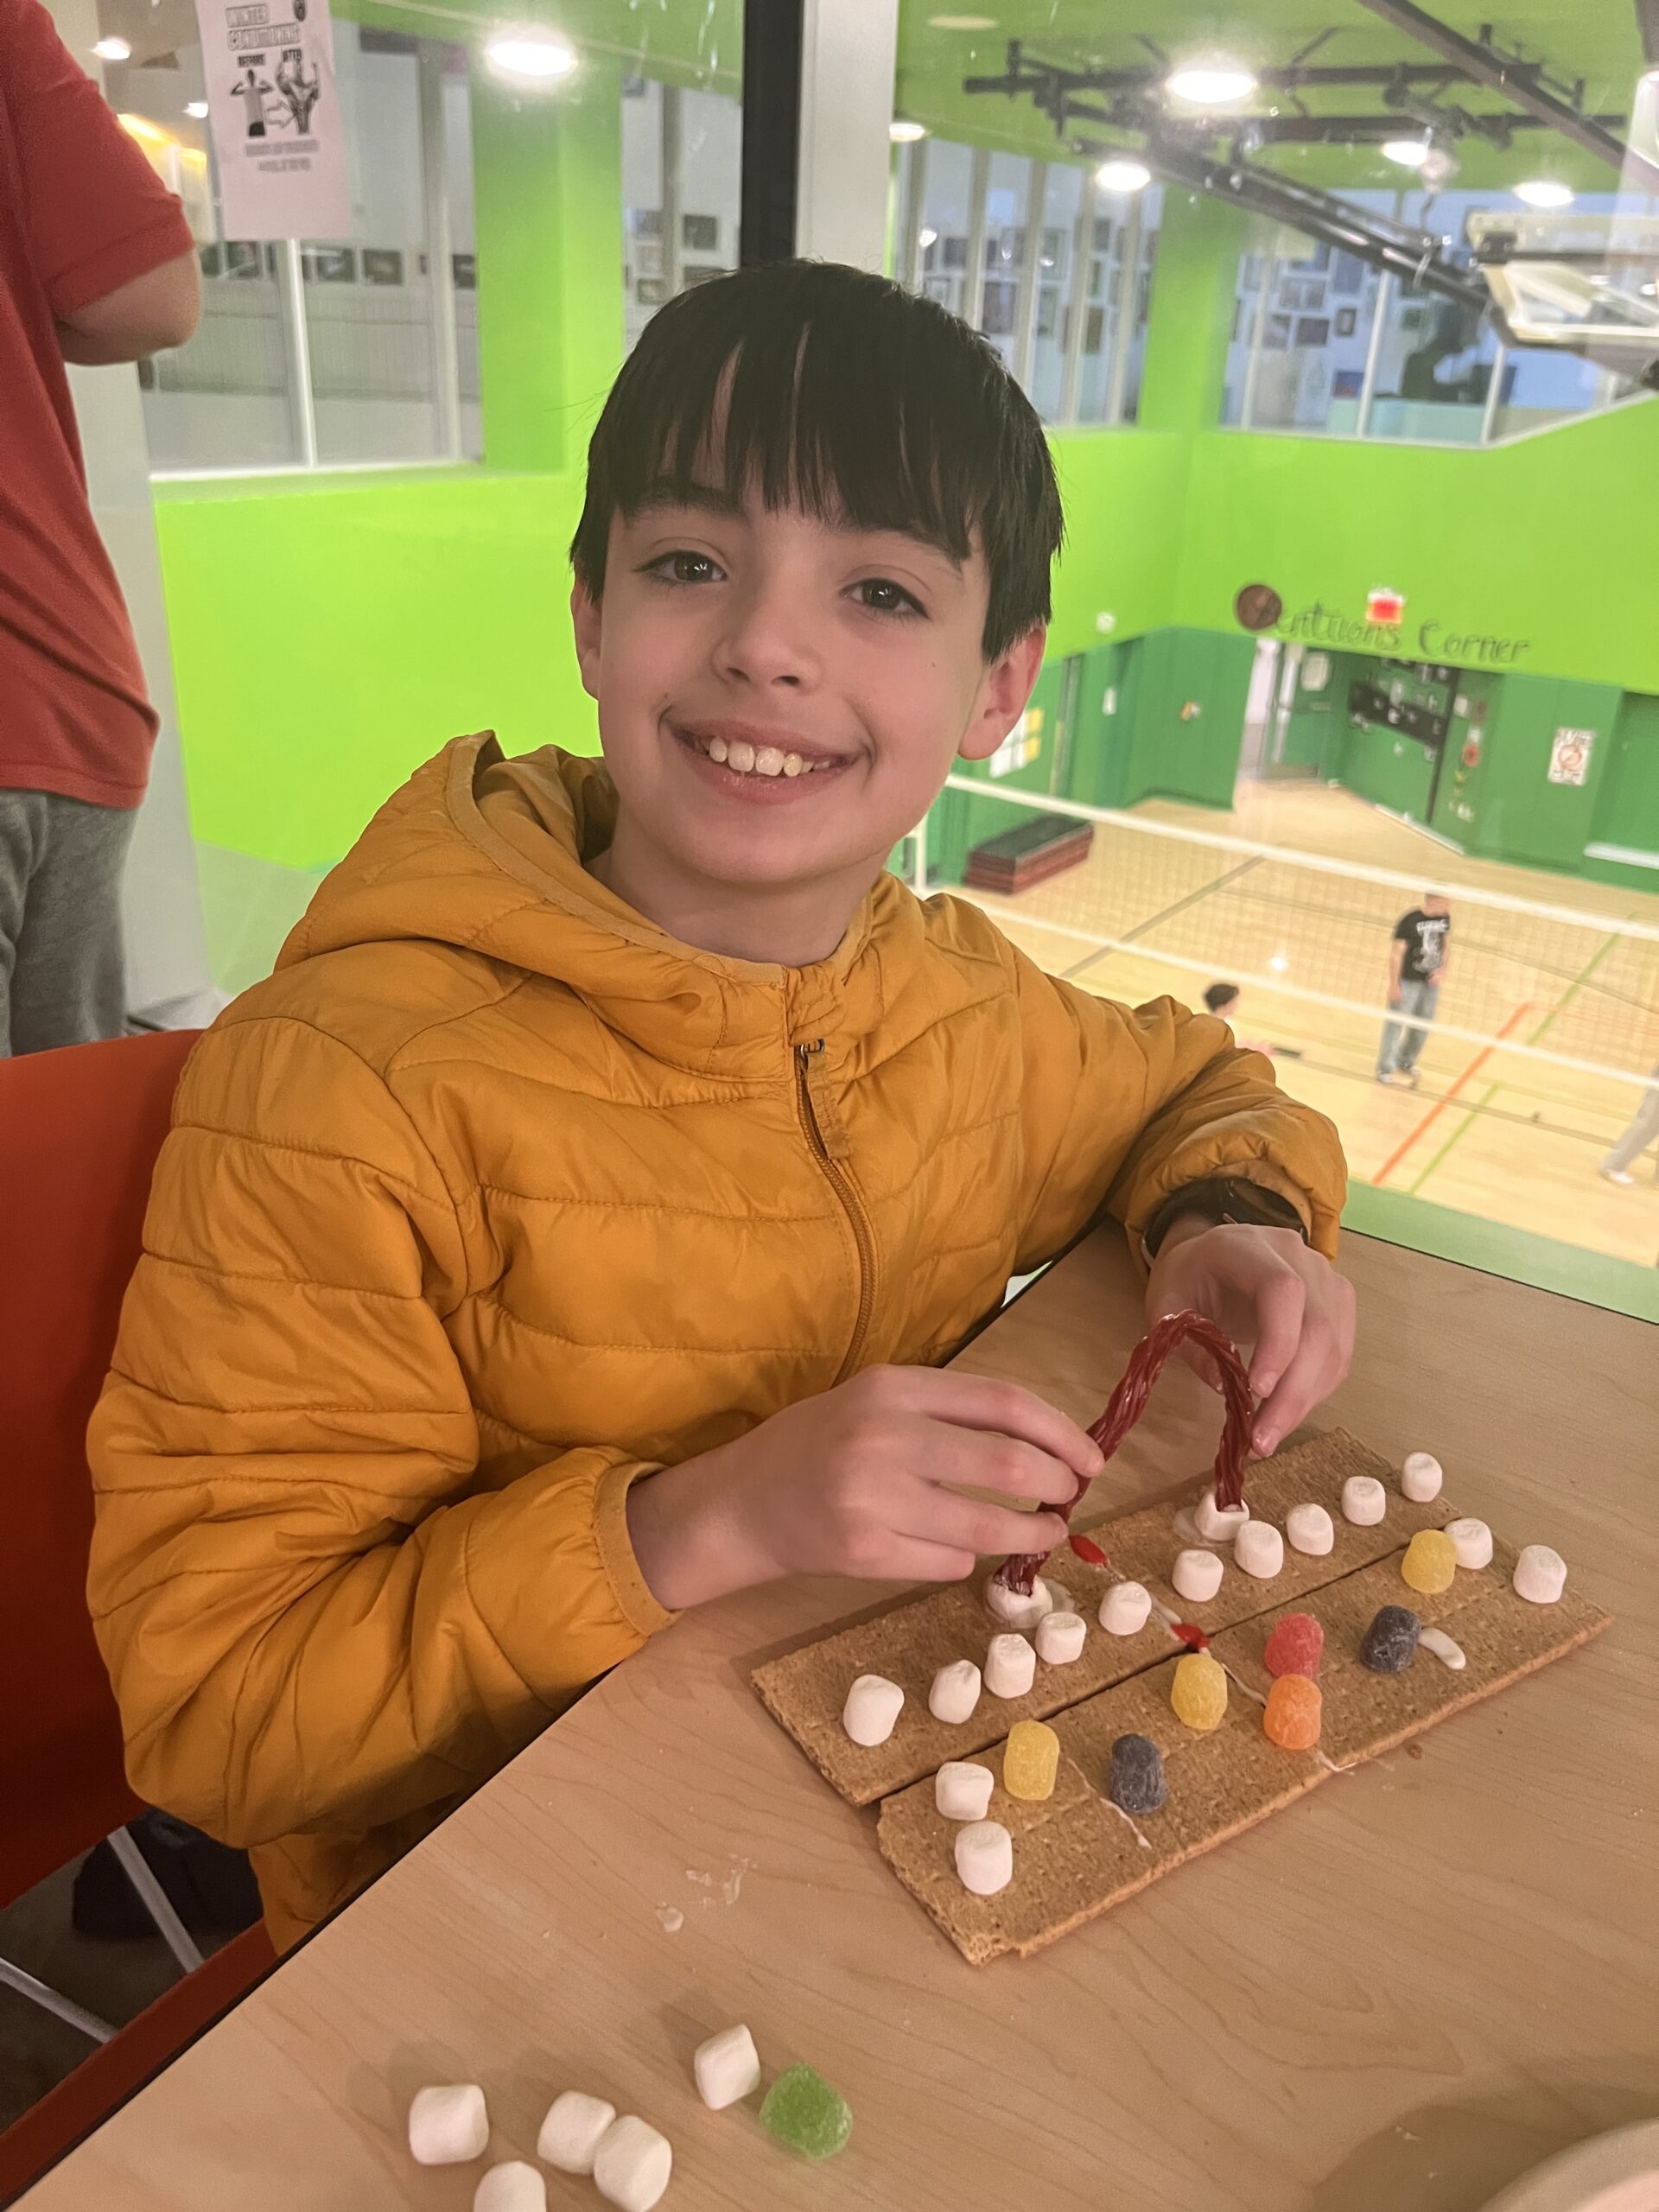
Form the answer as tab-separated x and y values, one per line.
1199	1691
1430	1562
1031	1761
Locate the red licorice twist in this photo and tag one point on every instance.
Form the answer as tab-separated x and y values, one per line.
1129	1401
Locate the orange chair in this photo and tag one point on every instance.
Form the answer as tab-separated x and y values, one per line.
80	1130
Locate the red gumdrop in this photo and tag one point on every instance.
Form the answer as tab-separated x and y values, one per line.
1295	1646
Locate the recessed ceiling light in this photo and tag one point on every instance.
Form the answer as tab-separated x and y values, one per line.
1545	191
927	237
533	57
1211	84
904	132
113	49
1410	153
197	108
961	23
1122	173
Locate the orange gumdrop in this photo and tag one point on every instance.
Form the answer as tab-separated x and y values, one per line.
1293	1715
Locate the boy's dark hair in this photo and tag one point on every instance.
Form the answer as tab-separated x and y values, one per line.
846	395
1217	995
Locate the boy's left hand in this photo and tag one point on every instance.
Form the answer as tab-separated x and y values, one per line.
1265	1288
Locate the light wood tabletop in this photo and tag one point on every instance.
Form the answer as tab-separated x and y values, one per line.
1393	1997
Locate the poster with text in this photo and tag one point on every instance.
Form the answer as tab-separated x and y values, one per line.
1569	756
278	133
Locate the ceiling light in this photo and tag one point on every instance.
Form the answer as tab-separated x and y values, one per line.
904	132
113	49
1211	84
197	108
926	237
1410	153
534	57
1545	191
961	23
1279	962
1122	173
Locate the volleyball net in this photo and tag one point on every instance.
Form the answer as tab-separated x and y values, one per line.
1158	906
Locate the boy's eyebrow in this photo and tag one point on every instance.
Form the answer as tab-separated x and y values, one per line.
663	493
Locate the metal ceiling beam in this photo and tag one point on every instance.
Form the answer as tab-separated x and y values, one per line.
1646	22
1520	81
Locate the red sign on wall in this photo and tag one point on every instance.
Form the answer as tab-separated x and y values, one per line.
1383	604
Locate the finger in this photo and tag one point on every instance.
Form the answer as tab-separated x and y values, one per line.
939	1516
978	1401
1280	1309
985	1460
1311	1376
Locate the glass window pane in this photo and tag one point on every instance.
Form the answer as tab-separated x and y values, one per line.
1007	243
1317	309
463	247
945	234
1062	198
1151	210
681	186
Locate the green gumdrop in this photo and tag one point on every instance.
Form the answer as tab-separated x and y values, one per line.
802	2110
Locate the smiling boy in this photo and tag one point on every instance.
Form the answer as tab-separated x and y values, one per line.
566	1233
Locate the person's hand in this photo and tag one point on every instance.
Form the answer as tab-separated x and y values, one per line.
1264	1288
863	1480
1396	999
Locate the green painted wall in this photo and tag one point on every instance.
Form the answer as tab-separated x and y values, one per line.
1389	769
1627	804
1182	717
1521	815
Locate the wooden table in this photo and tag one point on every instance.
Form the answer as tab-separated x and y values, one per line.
1395	1996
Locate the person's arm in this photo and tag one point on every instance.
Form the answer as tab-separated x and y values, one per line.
146	315
1396	963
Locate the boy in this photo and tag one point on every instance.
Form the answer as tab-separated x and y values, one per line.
562	1237
1417	961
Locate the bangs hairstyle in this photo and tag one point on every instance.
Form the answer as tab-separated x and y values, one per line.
840	394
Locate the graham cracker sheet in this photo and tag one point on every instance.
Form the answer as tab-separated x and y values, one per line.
805	1690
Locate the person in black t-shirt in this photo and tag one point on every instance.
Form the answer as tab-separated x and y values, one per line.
1417	960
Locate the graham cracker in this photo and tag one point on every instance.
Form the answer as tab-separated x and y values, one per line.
805	1690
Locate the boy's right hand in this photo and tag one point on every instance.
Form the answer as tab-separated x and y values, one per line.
855	1482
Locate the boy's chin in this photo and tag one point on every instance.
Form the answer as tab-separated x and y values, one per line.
768	855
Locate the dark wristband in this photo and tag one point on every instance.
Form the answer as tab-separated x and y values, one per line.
1221	1198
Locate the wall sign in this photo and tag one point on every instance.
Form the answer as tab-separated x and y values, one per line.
1021	745
275	114
1569	755
1431	640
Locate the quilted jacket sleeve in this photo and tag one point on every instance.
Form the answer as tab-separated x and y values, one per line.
312	1617
1121	1105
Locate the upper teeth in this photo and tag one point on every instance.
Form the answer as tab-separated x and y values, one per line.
746	759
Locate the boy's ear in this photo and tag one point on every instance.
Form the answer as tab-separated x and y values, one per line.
587	619
1006	686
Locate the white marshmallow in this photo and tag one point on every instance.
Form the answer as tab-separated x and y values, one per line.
1259	1549
727	2068
1218	1524
1365	1501
1010	1666
1060	1638
511	2187
633	2164
572	2132
1437	1641
985	1858
447	2125
962	1790
1472	1541
1310	1529
1421	1476
1018	1611
1126	1609
1540	1575
1196	1574
871	1709
955	1693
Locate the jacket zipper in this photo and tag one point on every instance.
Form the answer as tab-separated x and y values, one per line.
828	1139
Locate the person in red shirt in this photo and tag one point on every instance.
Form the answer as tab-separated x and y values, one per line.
97	265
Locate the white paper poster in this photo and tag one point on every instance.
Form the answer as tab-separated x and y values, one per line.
1569	755
274	113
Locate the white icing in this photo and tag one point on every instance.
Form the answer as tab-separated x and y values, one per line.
1060	1638
1259	1549
1437	1641
871	1709
1421	1476
962	1790
1021	1613
1196	1576
984	1854
1125	1609
1010	1666
955	1693
1214	1524
1365	1501
1310	1529
1540	1575
1472	1542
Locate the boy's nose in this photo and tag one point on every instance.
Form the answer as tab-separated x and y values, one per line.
765	644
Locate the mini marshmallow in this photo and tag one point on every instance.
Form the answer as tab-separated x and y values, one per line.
1310	1529
1125	1609
1021	1613
1010	1666
962	1790
1196	1574
511	2187
1218	1524
1421	1476
727	2068
572	2131
955	1693
985	1858
633	2164
1472	1542
1540	1575
1060	1638
1365	1501
871	1709
1449	1654
447	2125
1259	1549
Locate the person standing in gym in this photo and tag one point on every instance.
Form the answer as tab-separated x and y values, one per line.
1417	961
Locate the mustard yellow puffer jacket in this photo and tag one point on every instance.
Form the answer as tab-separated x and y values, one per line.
495	1197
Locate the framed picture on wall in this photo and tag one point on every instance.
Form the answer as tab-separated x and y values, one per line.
1278	337
953	252
1313	330
700	233
997	319
650	291
1048	310
1347	321
942	289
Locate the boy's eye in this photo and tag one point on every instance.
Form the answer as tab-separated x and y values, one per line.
883	597
684	568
